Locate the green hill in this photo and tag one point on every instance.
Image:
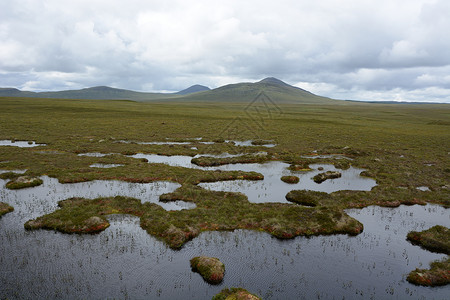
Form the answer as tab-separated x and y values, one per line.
94	93
193	89
275	89
272	88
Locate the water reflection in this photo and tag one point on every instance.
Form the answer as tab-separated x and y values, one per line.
272	189
21	144
125	262
43	199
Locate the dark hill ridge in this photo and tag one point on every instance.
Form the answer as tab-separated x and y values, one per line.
193	89
275	89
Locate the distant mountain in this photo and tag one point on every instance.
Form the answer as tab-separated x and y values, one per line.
275	89
93	93
272	88
193	89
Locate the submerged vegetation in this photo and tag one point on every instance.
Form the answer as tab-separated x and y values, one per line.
5	208
210	268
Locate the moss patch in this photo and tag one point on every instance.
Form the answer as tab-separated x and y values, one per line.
5	208
214	211
210	268
208	161
307	198
290	179
23	182
437	275
235	294
321	177
436	239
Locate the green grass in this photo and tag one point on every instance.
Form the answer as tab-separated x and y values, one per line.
437	275
401	146
5	208
210	268
437	239
235	294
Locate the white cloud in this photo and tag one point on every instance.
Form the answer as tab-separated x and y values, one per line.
362	48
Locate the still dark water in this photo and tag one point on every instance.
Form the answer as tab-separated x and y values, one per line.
124	262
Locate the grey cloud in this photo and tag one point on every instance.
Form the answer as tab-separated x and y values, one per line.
358	48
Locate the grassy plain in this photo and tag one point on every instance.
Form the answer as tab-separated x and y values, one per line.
402	146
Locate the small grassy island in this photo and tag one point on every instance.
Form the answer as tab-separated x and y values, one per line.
321	177
210	268
235	294
290	179
283	221
23	182
5	208
435	239
208	161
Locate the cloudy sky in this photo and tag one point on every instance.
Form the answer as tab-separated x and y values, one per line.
349	49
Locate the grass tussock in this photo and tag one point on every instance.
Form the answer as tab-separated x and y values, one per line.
210	268
437	275
235	294
436	239
214	211
5	208
207	161
290	179
23	182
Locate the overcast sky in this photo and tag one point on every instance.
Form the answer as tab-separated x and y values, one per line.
349	49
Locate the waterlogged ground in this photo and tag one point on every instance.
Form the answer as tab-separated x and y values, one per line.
125	262
43	199
271	189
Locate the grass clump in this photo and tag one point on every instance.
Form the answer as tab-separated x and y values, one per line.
436	239
23	182
235	294
210	268
9	175
5	208
321	177
437	275
208	161
305	197
300	166
215	211
290	179
262	142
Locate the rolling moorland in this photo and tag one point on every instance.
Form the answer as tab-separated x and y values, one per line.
402	146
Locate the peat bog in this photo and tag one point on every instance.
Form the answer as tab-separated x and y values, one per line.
186	193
